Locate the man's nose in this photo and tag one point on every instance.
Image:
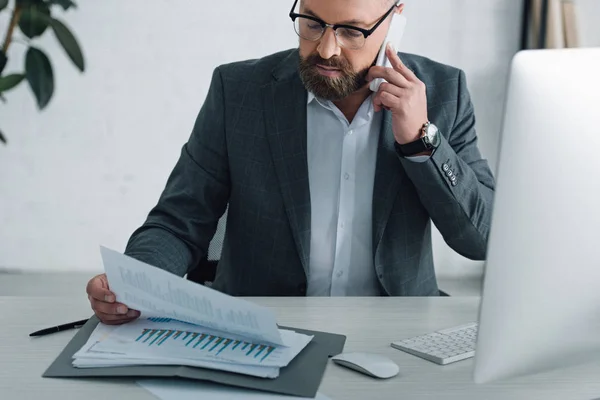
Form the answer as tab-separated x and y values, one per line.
328	47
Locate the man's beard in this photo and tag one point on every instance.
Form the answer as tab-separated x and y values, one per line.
331	88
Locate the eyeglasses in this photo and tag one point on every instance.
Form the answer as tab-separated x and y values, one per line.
348	36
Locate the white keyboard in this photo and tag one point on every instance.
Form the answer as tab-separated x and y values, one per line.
442	347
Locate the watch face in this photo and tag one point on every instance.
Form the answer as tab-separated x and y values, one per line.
433	135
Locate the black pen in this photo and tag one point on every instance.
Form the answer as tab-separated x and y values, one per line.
63	327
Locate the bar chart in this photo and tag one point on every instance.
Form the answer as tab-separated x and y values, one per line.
204	344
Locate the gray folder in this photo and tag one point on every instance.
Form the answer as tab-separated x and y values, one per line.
302	377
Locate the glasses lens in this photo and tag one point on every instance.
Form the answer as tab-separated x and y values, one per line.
350	38
308	29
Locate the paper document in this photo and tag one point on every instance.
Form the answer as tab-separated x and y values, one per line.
183	323
88	357
170	339
158	293
179	389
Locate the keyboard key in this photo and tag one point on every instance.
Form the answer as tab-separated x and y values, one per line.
444	346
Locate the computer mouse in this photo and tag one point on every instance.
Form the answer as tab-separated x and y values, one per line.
374	365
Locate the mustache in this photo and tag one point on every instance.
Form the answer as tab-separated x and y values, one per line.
334	62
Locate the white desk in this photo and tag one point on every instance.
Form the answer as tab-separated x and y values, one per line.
369	323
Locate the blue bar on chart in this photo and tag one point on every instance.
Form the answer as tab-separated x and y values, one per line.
204	342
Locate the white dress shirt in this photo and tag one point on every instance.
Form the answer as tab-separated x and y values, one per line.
341	171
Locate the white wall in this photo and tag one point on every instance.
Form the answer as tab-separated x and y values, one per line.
86	171
588	15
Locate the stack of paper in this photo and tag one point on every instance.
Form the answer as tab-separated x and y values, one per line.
183	323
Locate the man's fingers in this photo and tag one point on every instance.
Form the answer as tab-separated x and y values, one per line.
392	89
110	319
398	65
97	288
390	75
388	99
112	308
384	100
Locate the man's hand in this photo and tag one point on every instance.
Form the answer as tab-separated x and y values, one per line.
103	303
404	95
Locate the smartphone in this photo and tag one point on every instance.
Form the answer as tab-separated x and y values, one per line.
394	36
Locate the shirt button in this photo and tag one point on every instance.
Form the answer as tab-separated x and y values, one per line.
350	132
341	224
339	274
346	176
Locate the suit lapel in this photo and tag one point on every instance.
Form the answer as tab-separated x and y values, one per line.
388	176
285	115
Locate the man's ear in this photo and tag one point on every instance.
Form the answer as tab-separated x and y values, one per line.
400	9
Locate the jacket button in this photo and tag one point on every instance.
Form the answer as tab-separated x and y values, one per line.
445	167
302	288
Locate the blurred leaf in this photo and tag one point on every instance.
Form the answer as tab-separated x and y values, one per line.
10	81
27	3
3	4
2	138
65	4
68	42
39	75
3	61
34	20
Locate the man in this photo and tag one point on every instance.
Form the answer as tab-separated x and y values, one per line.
330	188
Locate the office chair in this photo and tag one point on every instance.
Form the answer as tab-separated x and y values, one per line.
206	270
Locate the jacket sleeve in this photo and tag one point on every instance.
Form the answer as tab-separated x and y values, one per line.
456	185
178	230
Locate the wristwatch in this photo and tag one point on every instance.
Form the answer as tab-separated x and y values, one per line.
429	140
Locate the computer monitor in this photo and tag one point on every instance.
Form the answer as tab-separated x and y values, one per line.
540	306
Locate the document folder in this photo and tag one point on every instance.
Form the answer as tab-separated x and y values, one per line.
302	377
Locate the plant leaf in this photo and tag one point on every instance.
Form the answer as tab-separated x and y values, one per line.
2	138
27	3
68	42
39	74
3	4
3	61
10	81
34	20
65	4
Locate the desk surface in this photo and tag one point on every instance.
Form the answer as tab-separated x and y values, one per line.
369	323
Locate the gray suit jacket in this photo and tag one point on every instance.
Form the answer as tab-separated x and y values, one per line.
248	151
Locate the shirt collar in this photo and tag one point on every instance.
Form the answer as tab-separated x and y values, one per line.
326	104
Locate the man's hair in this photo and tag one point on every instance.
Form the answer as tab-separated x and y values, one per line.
386	3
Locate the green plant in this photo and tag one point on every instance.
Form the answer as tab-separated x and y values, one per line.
33	18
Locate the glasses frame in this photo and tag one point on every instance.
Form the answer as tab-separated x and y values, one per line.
366	32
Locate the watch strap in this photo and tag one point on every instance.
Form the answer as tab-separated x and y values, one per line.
410	149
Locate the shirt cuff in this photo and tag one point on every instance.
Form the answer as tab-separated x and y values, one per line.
419	159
